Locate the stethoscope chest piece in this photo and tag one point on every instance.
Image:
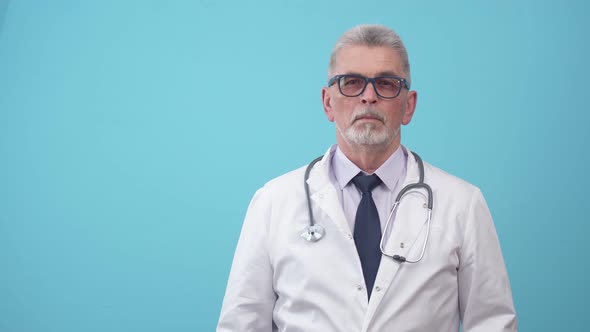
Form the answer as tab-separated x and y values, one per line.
313	233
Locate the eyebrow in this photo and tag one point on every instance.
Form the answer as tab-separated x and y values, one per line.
382	73
388	73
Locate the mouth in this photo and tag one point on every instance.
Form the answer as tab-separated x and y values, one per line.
367	118
367	115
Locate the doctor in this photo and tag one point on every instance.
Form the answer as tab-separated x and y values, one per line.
428	274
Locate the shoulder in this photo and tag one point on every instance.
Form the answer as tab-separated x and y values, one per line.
277	201
280	187
444	178
459	207
286	180
449	185
293	182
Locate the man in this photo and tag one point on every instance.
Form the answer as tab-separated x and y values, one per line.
428	275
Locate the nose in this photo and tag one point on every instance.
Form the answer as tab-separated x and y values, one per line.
369	96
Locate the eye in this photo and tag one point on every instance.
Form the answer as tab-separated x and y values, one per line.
388	83
352	81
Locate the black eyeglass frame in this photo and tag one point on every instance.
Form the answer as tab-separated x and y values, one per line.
367	80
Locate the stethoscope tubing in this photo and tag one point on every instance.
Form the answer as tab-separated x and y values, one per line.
314	232
306	177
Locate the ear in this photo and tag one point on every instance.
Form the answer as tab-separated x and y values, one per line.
327	103
410	107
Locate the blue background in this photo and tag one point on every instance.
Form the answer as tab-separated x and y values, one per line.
134	133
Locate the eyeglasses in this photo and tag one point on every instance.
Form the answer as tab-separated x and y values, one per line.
352	85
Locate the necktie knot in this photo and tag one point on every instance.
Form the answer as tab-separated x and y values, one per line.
366	183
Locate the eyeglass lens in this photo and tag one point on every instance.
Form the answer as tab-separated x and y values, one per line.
353	86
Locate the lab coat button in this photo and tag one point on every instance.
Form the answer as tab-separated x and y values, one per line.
359	287
350	236
377	288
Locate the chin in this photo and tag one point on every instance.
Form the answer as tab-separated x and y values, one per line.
369	137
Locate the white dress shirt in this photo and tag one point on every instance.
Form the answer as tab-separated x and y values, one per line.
392	174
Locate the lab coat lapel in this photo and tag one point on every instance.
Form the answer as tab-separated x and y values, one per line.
323	193
409	221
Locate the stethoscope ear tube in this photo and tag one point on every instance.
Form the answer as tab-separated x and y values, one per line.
419	185
306	177
402	259
420	181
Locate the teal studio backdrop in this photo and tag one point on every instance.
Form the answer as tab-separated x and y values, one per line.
134	133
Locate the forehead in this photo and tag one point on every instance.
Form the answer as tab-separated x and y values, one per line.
368	61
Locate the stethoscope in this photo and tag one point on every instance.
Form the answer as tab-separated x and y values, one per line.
315	232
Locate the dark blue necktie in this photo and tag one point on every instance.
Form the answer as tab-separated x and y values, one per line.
367	229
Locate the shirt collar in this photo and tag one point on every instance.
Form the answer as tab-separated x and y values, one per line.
390	172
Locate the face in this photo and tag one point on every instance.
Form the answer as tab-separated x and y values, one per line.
368	120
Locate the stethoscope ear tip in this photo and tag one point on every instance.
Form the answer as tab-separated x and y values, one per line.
399	258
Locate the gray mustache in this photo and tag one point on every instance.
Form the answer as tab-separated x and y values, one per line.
368	112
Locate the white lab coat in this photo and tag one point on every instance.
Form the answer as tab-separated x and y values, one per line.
280	282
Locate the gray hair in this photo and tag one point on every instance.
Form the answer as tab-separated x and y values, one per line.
371	35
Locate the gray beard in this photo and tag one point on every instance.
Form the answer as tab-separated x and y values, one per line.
368	134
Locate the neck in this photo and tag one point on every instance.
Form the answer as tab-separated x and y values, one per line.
368	157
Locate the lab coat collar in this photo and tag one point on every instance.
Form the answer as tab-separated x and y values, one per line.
323	193
320	175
